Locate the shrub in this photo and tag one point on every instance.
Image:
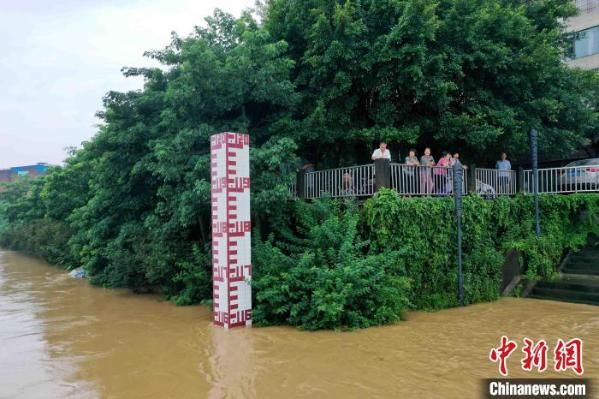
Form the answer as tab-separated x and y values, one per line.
331	282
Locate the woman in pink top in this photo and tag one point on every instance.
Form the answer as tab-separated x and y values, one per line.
440	173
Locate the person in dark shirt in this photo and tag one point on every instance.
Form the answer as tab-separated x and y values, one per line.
426	181
409	173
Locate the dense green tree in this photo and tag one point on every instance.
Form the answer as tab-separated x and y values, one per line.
470	75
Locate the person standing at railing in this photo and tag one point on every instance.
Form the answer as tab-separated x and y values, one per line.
426	181
455	159
382	152
441	172
382	158
409	172
347	188
504	168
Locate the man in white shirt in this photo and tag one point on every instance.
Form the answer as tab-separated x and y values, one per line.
504	172
381	152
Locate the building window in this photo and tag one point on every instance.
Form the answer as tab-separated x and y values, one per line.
587	42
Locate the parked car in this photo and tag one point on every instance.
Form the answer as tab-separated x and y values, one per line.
583	174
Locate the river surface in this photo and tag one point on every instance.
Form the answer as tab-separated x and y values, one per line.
62	338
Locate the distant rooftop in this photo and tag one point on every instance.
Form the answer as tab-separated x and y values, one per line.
43	165
7	175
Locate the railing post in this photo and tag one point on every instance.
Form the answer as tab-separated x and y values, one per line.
533	135
472	179
382	174
300	184
520	179
458	175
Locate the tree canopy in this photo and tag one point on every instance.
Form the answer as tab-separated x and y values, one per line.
468	75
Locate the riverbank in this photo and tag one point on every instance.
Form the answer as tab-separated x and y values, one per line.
65	338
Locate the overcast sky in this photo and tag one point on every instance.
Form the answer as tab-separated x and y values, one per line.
59	57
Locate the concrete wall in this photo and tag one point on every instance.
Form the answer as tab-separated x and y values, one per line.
590	62
583	21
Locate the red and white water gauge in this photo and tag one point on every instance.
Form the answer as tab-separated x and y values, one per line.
231	230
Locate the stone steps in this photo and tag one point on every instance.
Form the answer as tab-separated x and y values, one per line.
578	281
566	295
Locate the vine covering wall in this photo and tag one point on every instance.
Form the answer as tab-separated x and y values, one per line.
350	266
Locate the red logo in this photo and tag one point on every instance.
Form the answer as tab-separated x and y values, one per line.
567	355
534	355
502	353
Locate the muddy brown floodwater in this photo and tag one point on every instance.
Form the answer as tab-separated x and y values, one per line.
62	338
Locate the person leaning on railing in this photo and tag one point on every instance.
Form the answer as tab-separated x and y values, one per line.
456	159
441	171
347	189
426	180
409	172
504	168
382	152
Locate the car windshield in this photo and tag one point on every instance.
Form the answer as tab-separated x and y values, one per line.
584	162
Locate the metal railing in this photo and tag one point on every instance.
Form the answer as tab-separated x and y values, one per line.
586	6
423	180
292	188
359	181
353	181
494	182
572	179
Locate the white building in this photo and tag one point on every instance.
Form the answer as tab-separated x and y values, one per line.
586	45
